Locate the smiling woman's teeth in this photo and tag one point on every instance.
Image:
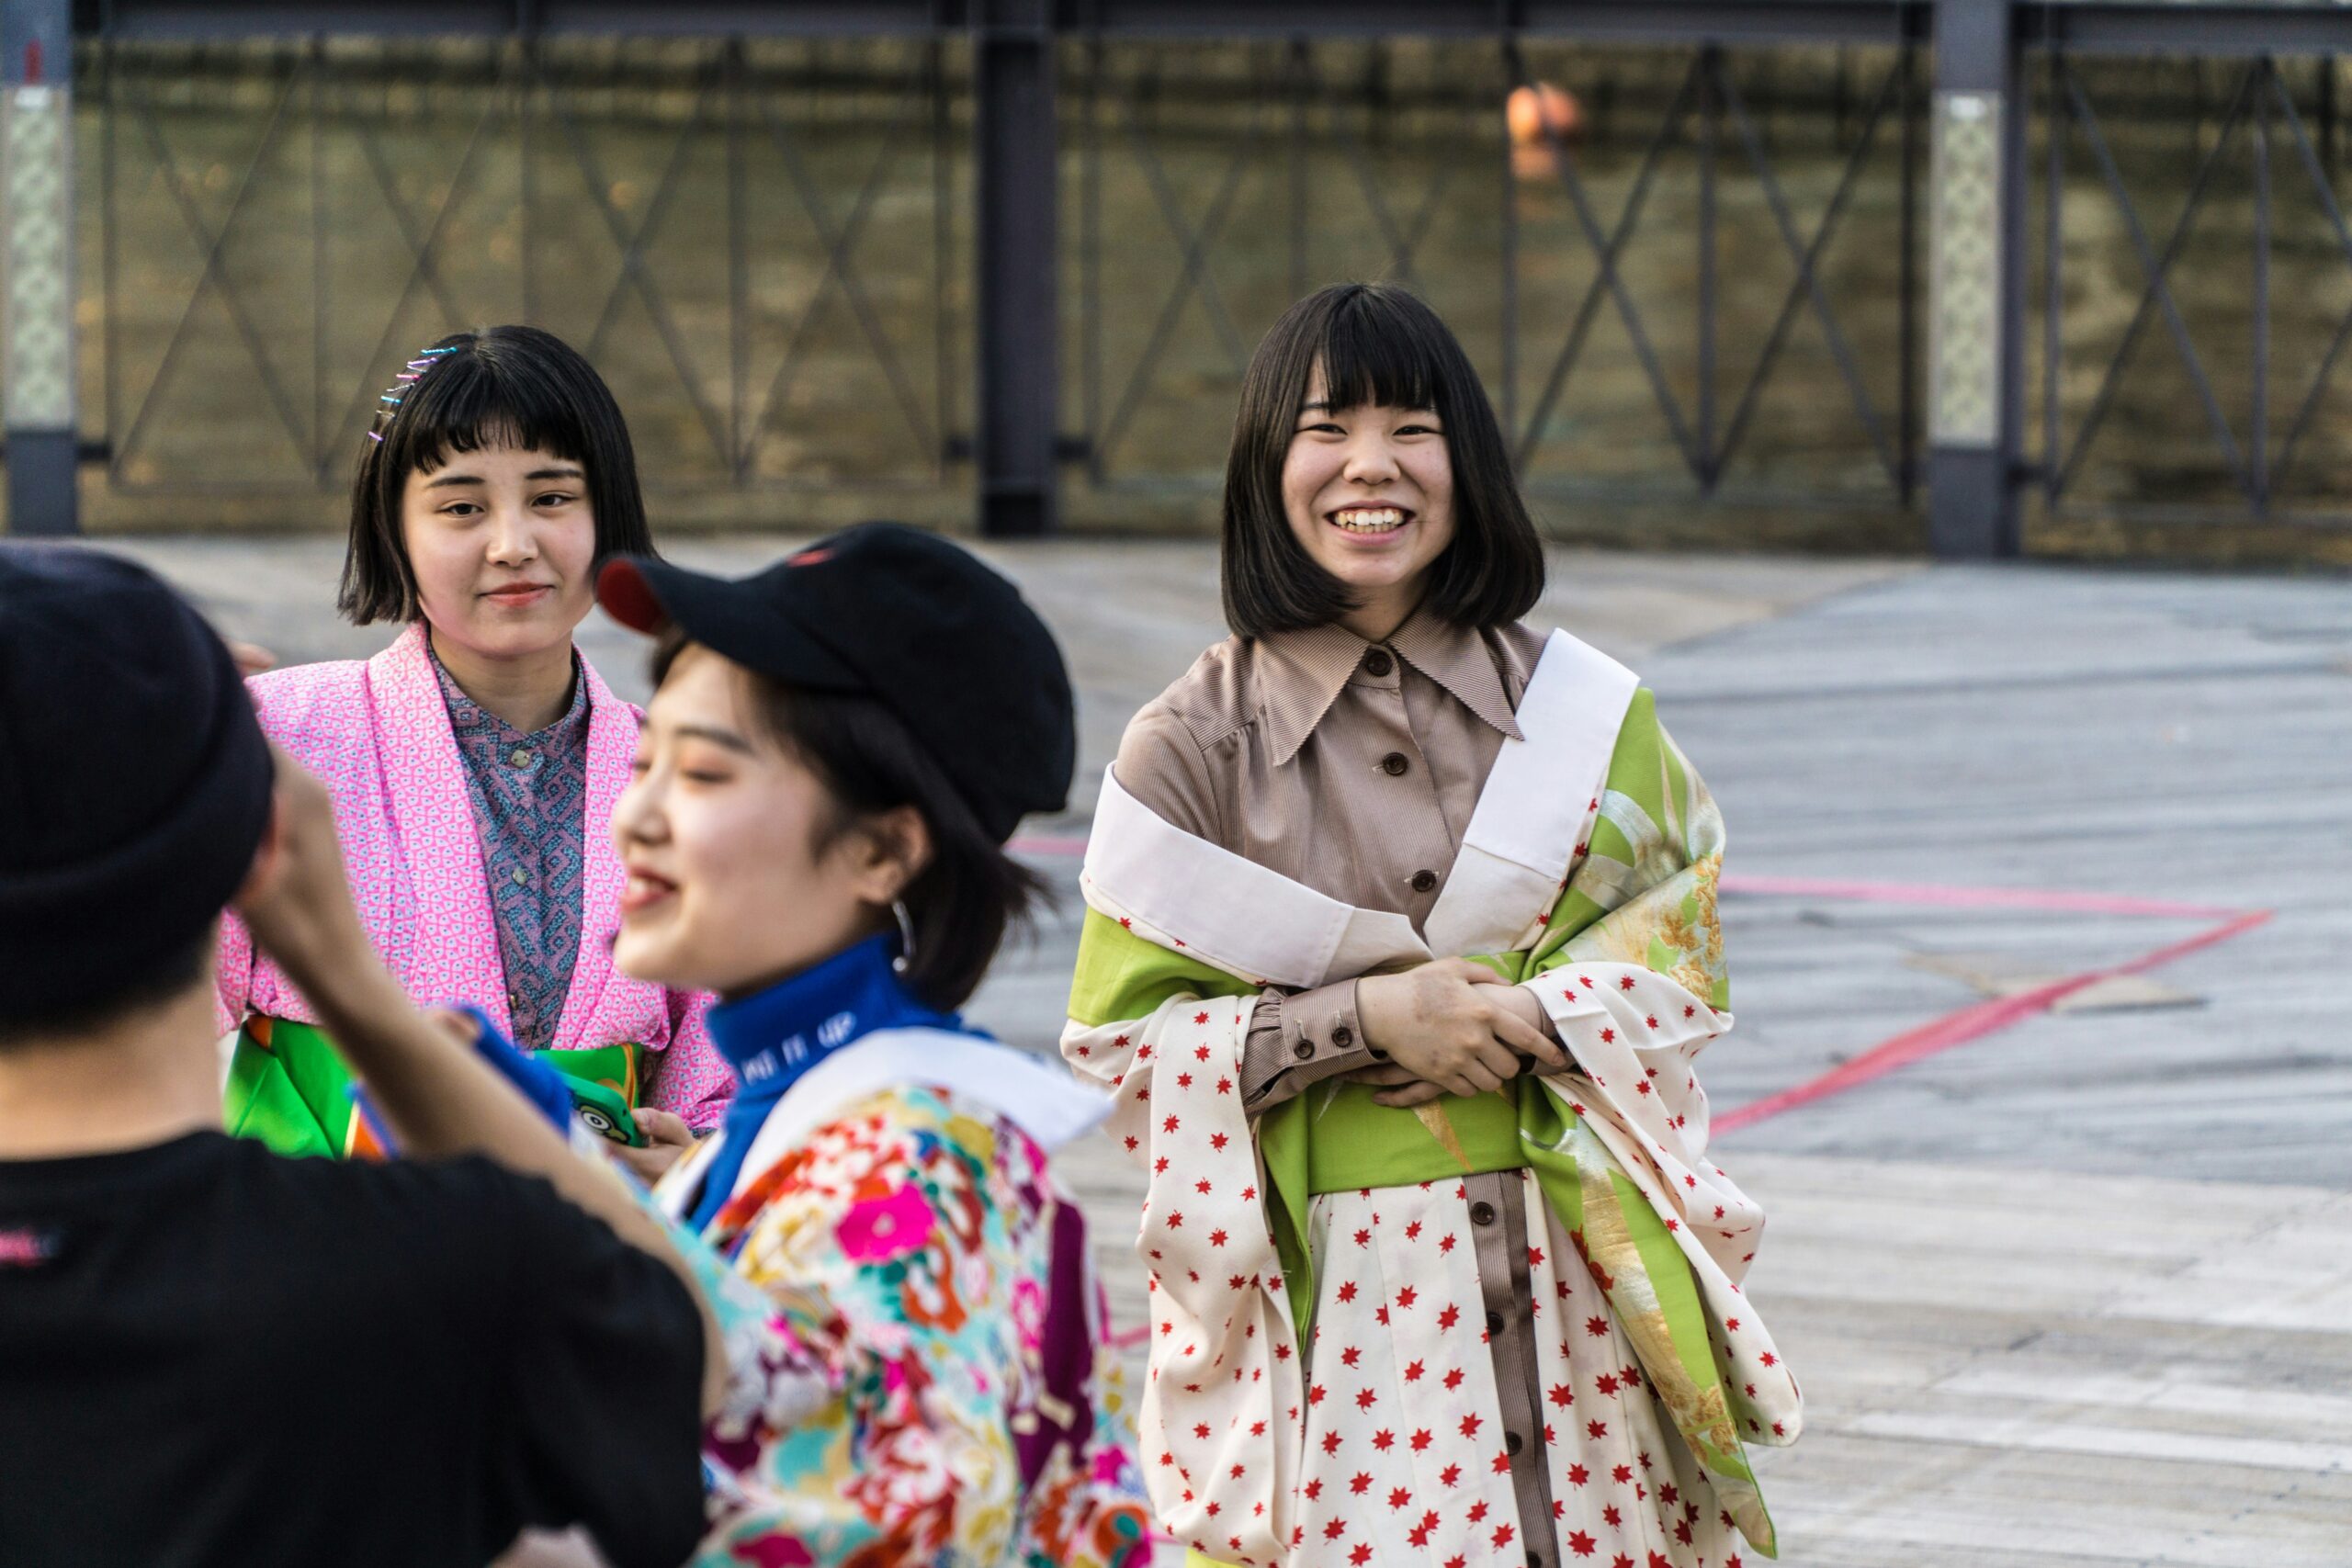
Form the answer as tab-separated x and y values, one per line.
1369	520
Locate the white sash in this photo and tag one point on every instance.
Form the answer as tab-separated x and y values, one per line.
1242	917
1530	817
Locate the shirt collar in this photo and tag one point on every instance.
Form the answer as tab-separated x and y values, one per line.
1458	659
469	717
1303	671
773	1037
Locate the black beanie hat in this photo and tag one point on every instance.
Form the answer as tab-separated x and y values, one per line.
134	781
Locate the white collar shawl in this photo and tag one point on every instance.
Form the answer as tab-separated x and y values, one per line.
1523	842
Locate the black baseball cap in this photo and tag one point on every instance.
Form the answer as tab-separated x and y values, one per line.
920	625
134	781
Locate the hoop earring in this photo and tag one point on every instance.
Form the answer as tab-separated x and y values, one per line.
899	965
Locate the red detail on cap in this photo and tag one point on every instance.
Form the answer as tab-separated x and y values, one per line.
621	590
32	63
815	555
25	1248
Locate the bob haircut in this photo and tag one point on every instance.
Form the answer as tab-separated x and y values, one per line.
970	894
1378	346
498	387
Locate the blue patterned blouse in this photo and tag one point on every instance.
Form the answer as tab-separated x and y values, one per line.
530	798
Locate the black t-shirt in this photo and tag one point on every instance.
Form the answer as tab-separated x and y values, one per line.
211	1355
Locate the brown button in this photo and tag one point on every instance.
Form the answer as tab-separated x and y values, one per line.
1495	1326
1394	764
1513	1442
1343	1036
1535	1559
1378	662
1482	1213
1303	1050
1424	879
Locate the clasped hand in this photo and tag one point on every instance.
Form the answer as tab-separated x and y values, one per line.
1450	1027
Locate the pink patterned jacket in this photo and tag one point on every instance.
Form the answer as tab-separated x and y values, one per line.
378	734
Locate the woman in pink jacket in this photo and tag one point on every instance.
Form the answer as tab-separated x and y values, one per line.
474	762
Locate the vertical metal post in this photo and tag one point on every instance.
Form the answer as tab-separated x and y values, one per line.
2057	121
1976	284
737	108
37	213
1089	259
1301	194
1508	256
314	66
1906	387
2327	114
1710	117
2258	431
1018	295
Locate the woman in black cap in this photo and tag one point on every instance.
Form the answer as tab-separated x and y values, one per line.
836	754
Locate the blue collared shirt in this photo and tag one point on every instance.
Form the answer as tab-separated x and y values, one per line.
530	801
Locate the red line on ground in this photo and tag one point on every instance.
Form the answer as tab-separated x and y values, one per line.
1972	1023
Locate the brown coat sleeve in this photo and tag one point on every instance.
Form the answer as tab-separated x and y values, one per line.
1296	1038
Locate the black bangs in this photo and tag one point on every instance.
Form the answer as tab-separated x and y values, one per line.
1378	346
1374	355
506	386
466	401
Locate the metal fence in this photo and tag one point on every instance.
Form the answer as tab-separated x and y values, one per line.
1946	267
2252	444
1553	227
362	201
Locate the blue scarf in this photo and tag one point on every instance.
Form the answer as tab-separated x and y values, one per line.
771	1038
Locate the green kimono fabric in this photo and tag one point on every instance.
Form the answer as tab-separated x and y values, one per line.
289	1088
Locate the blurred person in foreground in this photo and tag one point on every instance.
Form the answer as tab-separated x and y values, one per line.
443	1350
836	751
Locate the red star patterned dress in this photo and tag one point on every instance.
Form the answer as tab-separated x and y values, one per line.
1543	1356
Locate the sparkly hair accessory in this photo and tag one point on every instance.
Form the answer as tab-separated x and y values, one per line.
409	376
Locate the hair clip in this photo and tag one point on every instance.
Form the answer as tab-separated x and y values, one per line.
410	375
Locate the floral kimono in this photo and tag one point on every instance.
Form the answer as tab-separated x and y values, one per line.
915	1337
1333	1377
379	734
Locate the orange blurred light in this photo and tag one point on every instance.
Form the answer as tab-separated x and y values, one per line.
1531	109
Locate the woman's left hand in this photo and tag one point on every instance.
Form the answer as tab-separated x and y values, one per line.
1401	1088
666	1137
